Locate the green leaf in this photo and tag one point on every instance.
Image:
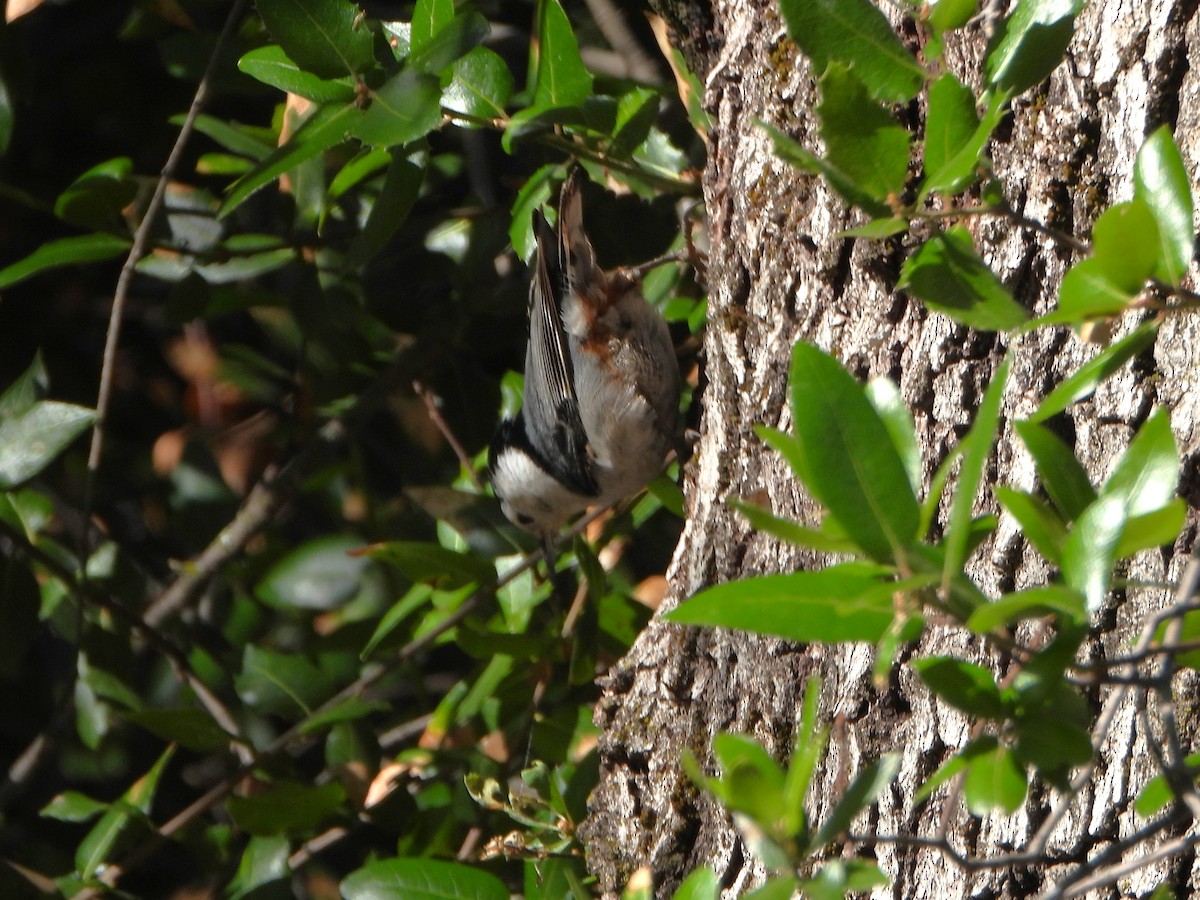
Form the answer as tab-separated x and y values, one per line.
1087	293
72	806
1155	529
792	532
1095	371
429	17
533	194
1091	549
848	459
1125	242
239	139
271	65
421	879
1039	524
32	439
1061	473
480	85
327	126
894	413
283	684
321	574
961	167
454	40
751	782
1157	792
994	780
701	884
810	743
949	128
401	186
839	877
1148	473
95	199
1053	600
1030	43
976	448
781	887
29	387
69	251
968	687
856	33
1161	180
955	765
948	15
190	728
404	109
434	564
286	808
949	276
320	35
1051	743
134	806
561	78
876	229
846	602
790	151
861	138
264	861
863	791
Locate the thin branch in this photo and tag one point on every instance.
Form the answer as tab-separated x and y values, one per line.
141	240
435	416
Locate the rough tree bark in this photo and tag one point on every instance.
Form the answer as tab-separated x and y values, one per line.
778	274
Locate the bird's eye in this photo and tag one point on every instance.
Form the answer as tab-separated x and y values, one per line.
523	520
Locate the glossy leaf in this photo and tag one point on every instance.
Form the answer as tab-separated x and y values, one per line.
404	109
949	127
1095	371
848	459
1041	525
480	85
790	151
561	78
271	65
994	780
949	276
429	17
286	808
1156	529
960	167
1148	473
72	806
422	879
855	33
861	138
847	602
877	229
1030	43
894	413
401	186
955	765
32	439
325	128
1091	549
190	728
1087	293
701	884
286	684
838	878
69	251
976	448
96	198
1157	793
1061	473
533	194
947	15
1161	180
433	564
1034	603
134	806
320	574
320	35
1125	243
264	861
452	41
968	687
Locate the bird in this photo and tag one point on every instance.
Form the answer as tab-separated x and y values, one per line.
602	385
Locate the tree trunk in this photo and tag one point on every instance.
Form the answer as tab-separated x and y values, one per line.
779	274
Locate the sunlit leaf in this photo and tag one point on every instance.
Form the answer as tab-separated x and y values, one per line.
1095	371
1030	43
322	36
1161	180
949	276
69	251
422	879
271	65
861	139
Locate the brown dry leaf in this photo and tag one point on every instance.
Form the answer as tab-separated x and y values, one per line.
14	9
384	783
651	592
173	13
294	111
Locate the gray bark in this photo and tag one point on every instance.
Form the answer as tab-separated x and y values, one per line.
777	275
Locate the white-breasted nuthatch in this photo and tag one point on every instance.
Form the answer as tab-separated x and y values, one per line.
601	385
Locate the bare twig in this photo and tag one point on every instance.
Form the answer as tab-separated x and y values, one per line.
435	416
141	241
